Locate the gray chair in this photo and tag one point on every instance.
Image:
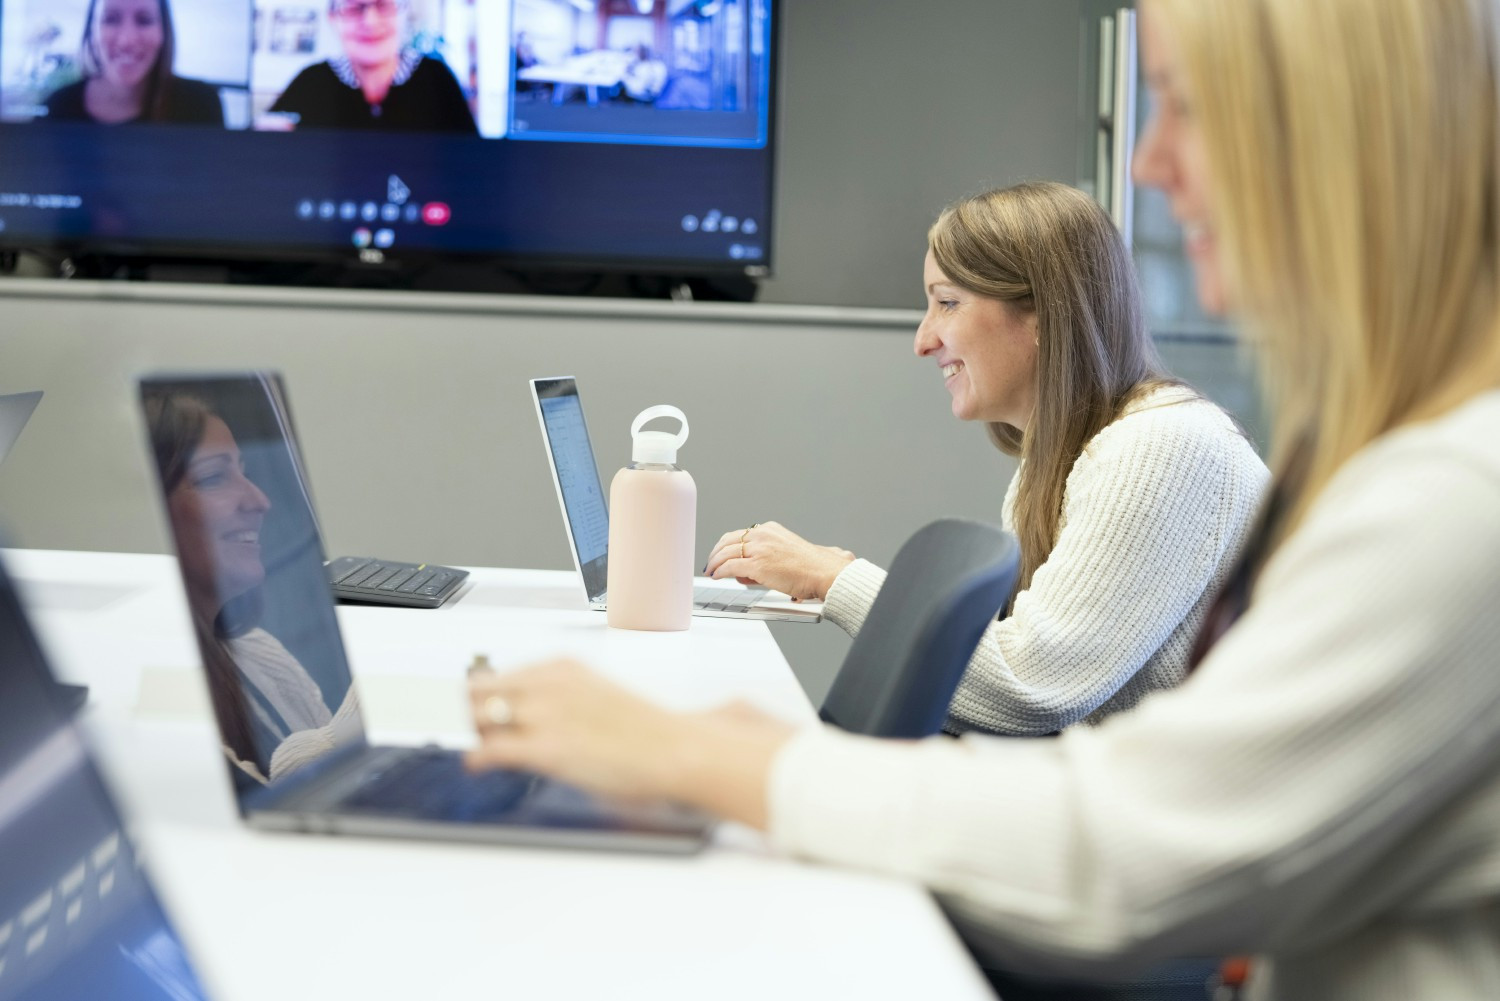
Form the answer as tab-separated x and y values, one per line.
945	587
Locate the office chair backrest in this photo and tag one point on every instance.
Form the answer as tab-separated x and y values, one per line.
947	584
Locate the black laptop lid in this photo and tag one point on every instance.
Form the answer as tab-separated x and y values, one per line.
78	918
577	478
252	565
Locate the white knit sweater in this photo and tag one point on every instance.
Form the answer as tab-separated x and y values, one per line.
1324	791
1154	511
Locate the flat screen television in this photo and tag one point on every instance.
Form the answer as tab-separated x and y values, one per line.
625	135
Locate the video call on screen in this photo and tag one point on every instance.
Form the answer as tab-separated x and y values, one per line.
611	129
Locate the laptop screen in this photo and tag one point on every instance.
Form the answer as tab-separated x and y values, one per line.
253	568
577	477
78	918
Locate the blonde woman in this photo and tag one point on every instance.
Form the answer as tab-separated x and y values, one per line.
1133	493
378	82
1324	790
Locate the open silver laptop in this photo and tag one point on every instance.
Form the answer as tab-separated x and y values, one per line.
15	411
586	516
289	720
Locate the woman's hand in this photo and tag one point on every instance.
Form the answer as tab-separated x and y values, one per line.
564	721
776	557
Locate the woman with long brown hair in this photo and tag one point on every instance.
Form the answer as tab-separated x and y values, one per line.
271	713
127	54
1133	493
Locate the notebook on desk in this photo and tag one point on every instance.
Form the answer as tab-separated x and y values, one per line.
586	516
251	560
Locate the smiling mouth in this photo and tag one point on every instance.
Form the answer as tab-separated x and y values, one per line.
249	535
949	371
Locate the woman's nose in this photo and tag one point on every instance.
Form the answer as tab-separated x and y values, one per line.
926	342
252	498
1148	167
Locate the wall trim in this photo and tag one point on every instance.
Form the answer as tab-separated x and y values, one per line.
457	303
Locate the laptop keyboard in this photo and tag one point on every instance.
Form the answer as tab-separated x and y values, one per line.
725	599
432	784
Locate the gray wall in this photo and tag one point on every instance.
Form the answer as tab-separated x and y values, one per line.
420	435
891	110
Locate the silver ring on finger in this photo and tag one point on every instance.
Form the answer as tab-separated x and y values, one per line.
497	711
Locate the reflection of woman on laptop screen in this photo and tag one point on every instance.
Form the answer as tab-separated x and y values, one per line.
126	57
271	712
378	82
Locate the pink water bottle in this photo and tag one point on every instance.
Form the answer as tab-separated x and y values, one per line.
653	518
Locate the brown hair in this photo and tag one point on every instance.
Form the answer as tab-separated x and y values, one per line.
1050	250
176	422
155	105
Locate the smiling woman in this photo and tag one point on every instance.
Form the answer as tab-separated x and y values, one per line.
379	82
1133	495
127	55
270	711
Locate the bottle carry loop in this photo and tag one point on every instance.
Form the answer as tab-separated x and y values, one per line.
657	446
661	410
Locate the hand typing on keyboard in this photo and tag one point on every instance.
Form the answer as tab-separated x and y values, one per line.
564	721
773	556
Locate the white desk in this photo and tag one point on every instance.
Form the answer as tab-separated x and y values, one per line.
289	916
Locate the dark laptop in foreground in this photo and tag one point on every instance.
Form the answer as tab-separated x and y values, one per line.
586	517
78	917
288	714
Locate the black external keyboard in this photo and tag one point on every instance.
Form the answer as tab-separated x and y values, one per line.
383	582
432	784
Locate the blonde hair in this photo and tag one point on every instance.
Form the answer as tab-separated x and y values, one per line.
1353	152
1050	250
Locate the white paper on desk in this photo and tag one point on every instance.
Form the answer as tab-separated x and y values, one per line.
168	693
430	708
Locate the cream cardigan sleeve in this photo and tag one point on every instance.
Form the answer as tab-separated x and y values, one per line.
1326	786
1155	508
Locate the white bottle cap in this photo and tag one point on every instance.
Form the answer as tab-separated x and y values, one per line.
657	446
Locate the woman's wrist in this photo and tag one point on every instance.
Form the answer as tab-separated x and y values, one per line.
838	561
723	763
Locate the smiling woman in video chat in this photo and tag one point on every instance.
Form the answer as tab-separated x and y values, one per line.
126	58
377	82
